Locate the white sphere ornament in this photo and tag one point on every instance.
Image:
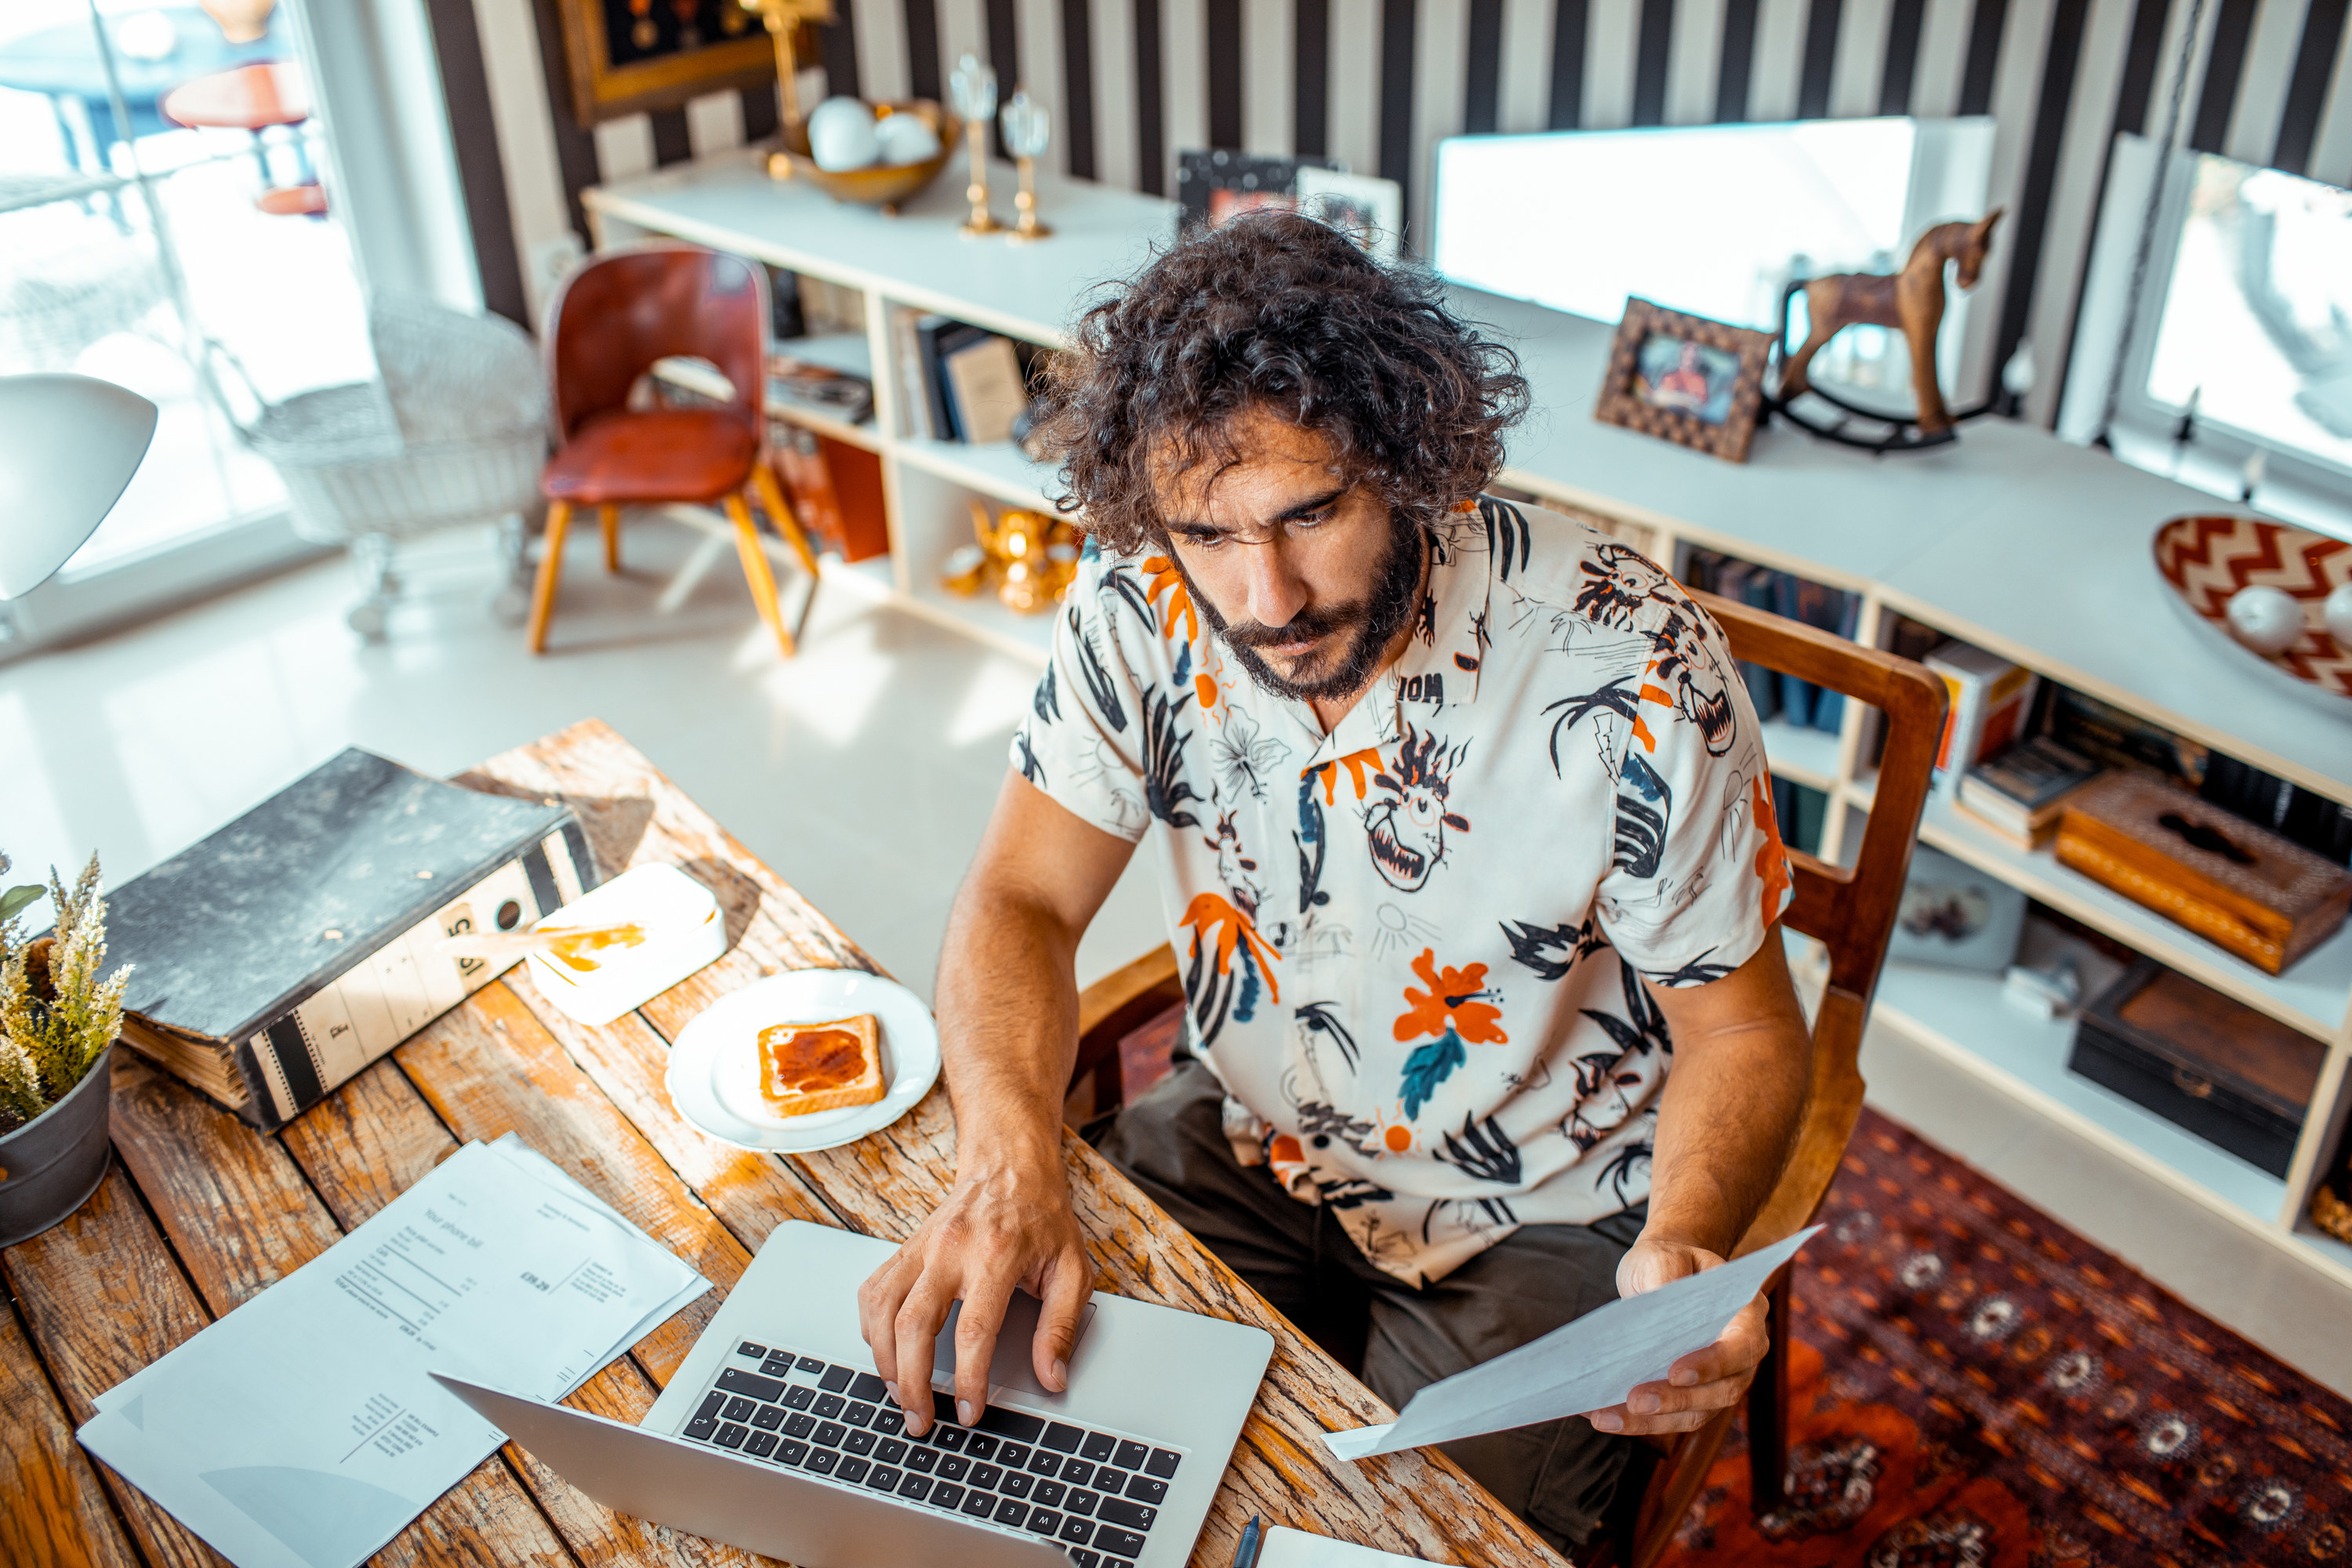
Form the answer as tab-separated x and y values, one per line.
2337	611
906	138
2266	619
842	135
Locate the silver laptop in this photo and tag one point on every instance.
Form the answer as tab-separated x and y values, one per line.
777	1437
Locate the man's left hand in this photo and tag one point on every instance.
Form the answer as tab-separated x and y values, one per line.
1702	1383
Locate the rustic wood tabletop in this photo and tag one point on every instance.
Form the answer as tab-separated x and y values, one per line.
201	1213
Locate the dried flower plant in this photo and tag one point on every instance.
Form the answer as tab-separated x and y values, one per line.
57	1016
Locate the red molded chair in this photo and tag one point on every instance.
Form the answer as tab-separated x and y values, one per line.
617	314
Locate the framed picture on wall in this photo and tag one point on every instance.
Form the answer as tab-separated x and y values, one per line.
1364	206
629	55
1685	379
1216	186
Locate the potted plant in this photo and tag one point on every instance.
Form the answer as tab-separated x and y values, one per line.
58	1024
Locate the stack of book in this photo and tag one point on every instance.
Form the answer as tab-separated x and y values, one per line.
2020	794
964	382
1991	699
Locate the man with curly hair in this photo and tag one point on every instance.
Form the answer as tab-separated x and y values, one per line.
1465	838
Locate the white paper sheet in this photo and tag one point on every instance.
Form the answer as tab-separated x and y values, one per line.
1589	1364
301	1431
1286	1548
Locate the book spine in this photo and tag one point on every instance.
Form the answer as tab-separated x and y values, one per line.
328	1038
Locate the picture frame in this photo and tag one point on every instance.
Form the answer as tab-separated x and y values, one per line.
1364	206
1217	185
1685	379
627	57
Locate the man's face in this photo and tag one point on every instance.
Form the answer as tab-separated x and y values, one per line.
1310	609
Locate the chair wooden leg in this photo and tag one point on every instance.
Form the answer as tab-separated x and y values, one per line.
772	502
550	567
1768	1408
755	571
610	516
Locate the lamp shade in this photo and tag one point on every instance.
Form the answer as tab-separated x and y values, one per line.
68	445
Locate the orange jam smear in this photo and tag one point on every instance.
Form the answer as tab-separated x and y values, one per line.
585	949
809	1059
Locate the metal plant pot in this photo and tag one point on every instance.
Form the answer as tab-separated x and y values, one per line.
49	1166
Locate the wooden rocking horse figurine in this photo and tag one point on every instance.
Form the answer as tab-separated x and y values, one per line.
1911	300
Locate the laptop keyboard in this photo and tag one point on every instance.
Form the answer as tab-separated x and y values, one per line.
1096	1494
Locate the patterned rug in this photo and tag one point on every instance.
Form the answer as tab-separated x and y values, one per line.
1976	1386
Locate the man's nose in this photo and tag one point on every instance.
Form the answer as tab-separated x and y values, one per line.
1276	592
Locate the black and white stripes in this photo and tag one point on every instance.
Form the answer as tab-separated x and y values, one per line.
1379	82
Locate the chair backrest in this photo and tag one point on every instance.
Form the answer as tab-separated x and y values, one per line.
1850	909
620	311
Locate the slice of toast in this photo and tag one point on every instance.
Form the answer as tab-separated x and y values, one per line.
807	1068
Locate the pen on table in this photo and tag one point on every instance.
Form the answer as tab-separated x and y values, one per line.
1246	1554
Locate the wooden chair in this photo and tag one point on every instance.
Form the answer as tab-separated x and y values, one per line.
1849	911
616	315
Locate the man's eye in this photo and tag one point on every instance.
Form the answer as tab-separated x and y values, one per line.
1204	541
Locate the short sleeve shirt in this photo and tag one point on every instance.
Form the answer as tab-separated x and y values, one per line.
1413	949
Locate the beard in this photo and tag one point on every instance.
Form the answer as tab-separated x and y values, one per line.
1362	630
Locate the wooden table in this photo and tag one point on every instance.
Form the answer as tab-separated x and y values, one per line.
201	1214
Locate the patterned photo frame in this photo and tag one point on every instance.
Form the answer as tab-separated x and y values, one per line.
1722	367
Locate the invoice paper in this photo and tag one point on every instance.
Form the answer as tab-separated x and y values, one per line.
1588	1364
301	1431
1286	1548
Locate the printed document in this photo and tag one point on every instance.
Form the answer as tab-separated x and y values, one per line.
301	1431
1589	1364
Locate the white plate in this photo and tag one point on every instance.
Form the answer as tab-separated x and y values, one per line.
714	1069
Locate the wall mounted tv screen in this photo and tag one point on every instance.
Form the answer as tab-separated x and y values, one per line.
1711	219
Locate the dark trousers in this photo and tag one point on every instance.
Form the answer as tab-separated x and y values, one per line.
1557	1475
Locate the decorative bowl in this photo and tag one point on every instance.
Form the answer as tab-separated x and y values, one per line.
883	186
2206	559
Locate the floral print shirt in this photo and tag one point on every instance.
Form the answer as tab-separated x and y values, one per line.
1413	949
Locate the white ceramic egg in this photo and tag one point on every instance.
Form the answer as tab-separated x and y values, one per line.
2266	619
841	135
2337	611
906	138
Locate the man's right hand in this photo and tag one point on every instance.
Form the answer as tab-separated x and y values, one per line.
1004	1224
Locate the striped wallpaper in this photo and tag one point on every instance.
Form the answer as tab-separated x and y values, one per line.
1378	82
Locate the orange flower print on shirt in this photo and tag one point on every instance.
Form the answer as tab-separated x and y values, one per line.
1771	864
1225	989
1459	993
1165	579
1455	1008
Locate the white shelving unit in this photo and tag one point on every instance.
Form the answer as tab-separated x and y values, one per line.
2010	539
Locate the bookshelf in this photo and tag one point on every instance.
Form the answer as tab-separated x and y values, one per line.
2011	540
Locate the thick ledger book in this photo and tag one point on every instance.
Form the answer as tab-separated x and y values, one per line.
2022	792
279	957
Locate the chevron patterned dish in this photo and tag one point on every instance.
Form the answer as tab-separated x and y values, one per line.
2206	559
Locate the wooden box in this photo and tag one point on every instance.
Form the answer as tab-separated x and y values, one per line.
2237	885
2220	1070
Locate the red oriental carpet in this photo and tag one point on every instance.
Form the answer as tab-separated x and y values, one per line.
1976	1386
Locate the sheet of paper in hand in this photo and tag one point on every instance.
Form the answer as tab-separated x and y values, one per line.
1589	1364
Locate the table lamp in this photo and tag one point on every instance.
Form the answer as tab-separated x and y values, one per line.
68	445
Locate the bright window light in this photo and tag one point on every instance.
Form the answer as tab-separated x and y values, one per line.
2257	322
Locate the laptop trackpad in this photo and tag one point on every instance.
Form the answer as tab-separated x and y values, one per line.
1011	1366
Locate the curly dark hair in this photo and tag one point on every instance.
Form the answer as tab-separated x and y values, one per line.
1280	312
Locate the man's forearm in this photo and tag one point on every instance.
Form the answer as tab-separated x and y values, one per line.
1728	1117
1725	1131
1008	1008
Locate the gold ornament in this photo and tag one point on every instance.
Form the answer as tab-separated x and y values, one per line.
1030	556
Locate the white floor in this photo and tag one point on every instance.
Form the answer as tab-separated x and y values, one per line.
862	771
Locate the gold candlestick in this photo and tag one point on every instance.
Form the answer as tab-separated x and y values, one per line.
974	88
1027	130
1026	226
